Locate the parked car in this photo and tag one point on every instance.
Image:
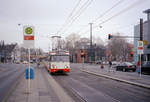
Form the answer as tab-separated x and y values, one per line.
17	62
98	62
145	67
25	62
105	63
126	66
115	63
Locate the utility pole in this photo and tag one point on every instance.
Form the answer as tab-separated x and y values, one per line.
90	35
141	29
141	39
91	41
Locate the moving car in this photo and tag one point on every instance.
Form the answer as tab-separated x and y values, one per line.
145	67
126	66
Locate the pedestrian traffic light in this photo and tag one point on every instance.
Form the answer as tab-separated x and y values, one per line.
109	36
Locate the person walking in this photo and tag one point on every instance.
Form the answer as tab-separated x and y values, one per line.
138	67
102	65
38	64
110	64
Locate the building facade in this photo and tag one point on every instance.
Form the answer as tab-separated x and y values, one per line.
146	37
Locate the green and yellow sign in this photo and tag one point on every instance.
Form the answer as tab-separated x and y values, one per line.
29	30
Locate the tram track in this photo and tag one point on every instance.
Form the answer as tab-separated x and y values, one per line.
84	87
71	91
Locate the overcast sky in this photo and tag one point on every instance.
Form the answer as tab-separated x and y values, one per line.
48	16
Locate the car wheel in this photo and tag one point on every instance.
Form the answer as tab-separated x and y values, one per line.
124	70
116	69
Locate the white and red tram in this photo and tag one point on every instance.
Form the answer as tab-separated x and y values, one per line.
59	62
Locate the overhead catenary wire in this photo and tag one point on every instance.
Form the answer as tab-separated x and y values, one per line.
105	12
119	13
70	15
83	8
75	15
108	10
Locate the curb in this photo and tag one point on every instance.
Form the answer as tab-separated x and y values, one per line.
117	79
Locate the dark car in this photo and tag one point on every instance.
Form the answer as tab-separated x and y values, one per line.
98	62
145	67
126	66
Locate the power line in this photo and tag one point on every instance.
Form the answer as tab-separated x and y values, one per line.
70	15
81	10
76	15
104	13
119	13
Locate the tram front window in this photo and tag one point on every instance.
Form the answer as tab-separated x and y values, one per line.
60	58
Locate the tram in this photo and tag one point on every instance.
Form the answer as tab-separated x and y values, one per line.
59	61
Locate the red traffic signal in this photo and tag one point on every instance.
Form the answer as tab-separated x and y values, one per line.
132	53
109	36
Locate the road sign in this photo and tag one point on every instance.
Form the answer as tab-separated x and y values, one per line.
140	47
145	42
28	32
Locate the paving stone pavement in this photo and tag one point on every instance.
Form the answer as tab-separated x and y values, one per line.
40	90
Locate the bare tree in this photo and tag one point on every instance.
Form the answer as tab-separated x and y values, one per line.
119	48
71	40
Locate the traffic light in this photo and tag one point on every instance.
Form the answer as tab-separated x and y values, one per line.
132	53
109	36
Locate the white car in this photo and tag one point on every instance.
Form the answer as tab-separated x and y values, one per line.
25	62
115	63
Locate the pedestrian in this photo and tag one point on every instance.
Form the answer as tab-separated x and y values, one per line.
38	64
138	67
102	65
110	64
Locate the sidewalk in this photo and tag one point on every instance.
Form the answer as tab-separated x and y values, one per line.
128	77
42	89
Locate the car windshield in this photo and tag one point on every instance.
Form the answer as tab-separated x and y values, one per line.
60	58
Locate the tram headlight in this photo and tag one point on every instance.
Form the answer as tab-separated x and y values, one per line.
66	67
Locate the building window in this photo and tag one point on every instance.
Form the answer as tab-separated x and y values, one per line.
148	46
148	57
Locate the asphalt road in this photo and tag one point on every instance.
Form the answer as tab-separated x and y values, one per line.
9	73
98	89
